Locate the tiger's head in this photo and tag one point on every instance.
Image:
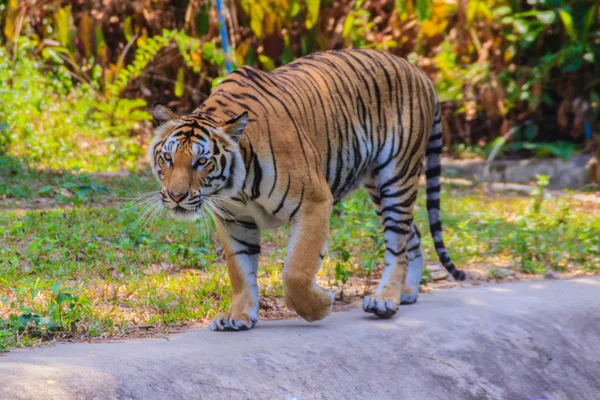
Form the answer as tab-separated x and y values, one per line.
197	159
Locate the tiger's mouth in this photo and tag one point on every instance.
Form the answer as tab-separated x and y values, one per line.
181	211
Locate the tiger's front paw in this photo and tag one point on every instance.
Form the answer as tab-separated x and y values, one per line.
380	306
313	306
229	321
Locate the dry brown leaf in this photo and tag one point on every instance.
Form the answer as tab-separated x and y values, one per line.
25	266
153	269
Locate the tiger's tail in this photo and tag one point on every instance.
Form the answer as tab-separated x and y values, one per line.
433	172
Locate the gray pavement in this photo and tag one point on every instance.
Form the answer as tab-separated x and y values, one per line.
538	339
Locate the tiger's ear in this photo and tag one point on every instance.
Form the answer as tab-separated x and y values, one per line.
162	113
236	125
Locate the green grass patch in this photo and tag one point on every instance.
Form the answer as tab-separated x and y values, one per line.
86	265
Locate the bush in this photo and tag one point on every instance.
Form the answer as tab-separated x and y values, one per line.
496	64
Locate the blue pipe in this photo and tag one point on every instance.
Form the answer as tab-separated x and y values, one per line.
224	36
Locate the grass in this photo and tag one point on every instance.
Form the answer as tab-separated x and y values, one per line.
77	262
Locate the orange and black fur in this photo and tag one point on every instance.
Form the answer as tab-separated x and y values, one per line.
267	149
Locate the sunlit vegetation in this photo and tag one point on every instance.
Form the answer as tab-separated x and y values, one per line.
95	266
76	79
81	258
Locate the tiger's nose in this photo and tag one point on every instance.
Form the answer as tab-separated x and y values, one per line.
176	197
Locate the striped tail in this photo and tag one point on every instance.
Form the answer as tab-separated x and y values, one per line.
433	173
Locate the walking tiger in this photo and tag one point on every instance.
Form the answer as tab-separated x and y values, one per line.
267	149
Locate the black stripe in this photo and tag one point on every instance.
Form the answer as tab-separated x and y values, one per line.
299	204
251	248
287	189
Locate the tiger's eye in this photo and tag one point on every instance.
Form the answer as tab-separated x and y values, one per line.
167	156
202	161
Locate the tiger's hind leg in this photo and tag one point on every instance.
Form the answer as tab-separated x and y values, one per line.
416	261
394	199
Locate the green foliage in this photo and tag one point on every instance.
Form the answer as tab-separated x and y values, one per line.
74	91
52	120
524	139
342	273
78	189
498	61
538	195
98	270
4	139
580	50
47	118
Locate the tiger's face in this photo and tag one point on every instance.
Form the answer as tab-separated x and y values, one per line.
197	159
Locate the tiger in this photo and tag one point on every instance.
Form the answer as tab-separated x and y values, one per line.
283	147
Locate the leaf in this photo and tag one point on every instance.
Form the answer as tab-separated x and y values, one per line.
401	5
45	189
312	12
294	8
434	26
564	150
202	20
307	42
165	266
82	192
502	11
70	185
179	83
270	22
567	20
55	288
499	142
62	297
521	25
113	272
423	9
64	26
86	34
251	58
546	17
257	16
588	20
348	25
127	29
531	132
28	318
589	57
11	16
153	269
49	53
266	62
208	50
345	255
287	56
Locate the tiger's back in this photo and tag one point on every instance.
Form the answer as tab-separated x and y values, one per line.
349	111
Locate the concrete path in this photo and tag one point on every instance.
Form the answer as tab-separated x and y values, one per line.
523	340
